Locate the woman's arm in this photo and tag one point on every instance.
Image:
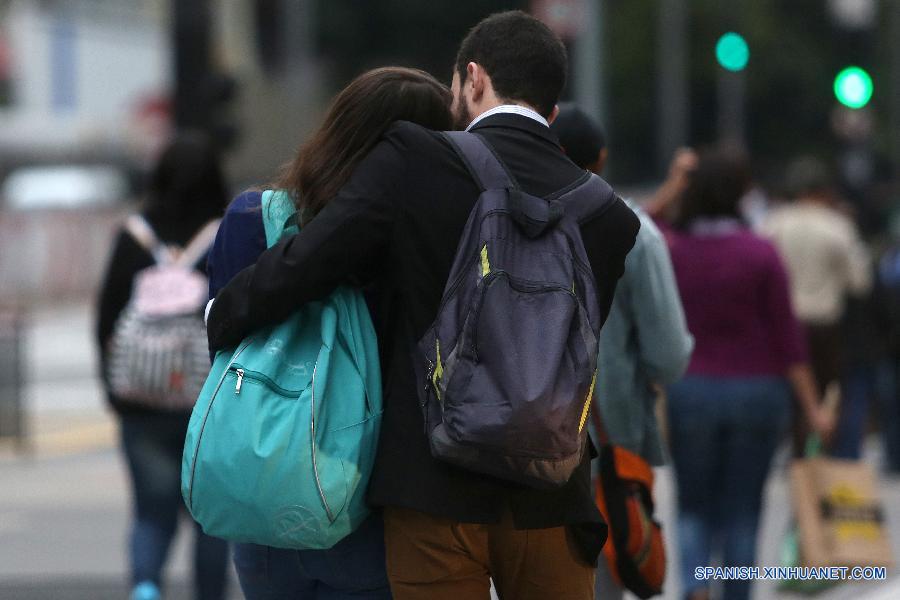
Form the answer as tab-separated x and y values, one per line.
663	204
820	417
664	342
239	242
789	346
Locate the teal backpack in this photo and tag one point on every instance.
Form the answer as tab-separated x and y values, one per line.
282	439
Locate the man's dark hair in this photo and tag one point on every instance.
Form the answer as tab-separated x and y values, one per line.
580	136
716	186
808	176
524	59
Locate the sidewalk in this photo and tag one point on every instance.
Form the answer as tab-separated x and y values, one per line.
64	407
64	502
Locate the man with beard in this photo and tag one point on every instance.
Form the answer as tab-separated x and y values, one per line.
395	227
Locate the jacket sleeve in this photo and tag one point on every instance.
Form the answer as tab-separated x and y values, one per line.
664	343
607	240
344	242
240	240
788	339
855	262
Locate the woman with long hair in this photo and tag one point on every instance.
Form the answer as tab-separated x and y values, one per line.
354	123
730	411
187	192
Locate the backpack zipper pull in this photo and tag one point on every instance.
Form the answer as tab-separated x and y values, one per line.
240	381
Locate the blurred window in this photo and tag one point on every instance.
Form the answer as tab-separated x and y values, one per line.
66	187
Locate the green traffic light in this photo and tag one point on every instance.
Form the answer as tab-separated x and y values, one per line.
732	51
853	87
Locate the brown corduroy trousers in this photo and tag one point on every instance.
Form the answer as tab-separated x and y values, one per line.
431	558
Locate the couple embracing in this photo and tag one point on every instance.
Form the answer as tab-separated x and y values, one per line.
383	200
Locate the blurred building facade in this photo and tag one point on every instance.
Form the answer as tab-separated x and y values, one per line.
92	82
82	75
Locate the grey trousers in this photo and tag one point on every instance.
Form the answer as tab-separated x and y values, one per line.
605	587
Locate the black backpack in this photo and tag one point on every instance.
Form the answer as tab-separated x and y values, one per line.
507	369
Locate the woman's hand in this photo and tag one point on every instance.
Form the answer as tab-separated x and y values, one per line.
683	164
823	422
823	419
662	204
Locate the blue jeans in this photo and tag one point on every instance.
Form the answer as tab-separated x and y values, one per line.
723	433
863	384
153	445
353	569
889	413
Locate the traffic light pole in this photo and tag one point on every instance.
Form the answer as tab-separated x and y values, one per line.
731	83
672	89
191	42
589	62
731	91
893	8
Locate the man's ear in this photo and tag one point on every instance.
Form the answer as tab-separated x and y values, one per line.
601	161
475	79
553	114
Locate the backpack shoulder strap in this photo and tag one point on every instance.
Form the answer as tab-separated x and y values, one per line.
279	215
199	244
598	423
138	227
480	159
587	198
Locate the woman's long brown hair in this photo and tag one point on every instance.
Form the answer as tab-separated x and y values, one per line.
356	119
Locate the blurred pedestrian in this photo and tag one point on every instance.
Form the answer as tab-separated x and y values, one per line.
357	118
645	342
886	299
728	414
826	261
397	223
187	195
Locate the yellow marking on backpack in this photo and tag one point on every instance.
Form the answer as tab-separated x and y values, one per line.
587	403
438	370
485	263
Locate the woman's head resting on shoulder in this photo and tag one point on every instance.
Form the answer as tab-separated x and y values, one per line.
356	119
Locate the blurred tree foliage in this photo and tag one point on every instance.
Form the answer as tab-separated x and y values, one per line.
359	34
795	51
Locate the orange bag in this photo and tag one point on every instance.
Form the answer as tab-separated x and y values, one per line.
634	550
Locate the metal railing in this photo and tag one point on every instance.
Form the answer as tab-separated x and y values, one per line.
12	408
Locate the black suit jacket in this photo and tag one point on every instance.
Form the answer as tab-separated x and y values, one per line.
395	226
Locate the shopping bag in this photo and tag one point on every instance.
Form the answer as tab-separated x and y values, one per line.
840	517
790	557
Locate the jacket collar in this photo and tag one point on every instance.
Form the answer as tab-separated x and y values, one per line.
514	121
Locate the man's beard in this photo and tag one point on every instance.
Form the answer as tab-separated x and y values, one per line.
463	115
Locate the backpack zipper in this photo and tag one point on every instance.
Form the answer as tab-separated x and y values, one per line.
206	417
312	443
243	374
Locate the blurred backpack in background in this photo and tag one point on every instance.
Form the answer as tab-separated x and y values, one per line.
158	354
635	551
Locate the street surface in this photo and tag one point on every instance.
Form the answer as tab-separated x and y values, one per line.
64	502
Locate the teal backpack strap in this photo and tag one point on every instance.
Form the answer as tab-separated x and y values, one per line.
279	216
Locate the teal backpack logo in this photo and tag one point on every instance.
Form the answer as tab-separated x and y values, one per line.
282	439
